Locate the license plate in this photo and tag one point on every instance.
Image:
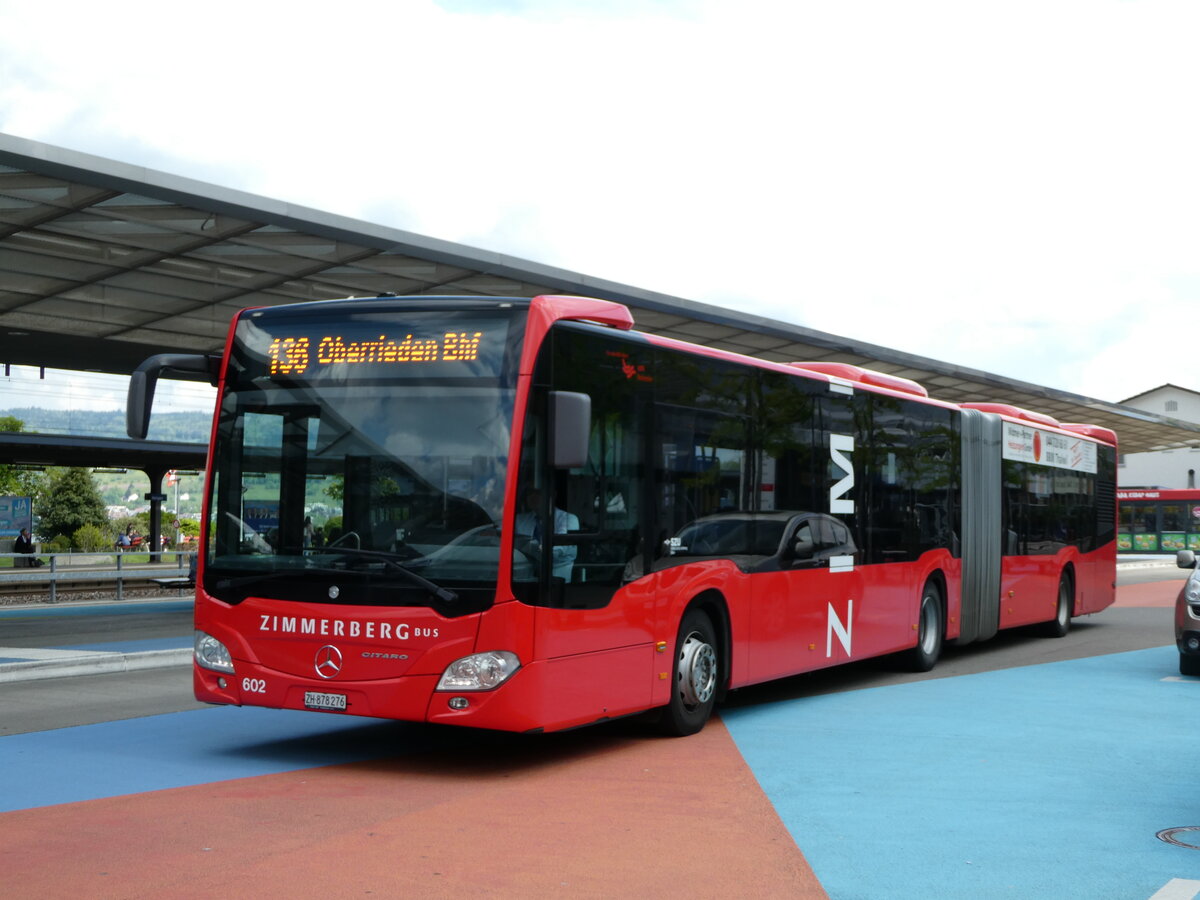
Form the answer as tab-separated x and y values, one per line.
319	700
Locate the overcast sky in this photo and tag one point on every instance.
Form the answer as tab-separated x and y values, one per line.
1012	186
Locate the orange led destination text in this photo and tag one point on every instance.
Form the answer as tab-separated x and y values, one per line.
293	356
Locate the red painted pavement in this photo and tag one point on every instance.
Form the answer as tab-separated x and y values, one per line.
589	813
1150	593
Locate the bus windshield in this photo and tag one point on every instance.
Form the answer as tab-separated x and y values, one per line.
362	459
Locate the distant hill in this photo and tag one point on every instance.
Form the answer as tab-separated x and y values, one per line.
185	427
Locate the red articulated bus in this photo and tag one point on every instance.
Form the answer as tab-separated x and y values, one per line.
521	514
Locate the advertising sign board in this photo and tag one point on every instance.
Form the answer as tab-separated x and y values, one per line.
15	513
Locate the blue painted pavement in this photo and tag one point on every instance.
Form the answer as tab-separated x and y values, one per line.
180	749
1044	781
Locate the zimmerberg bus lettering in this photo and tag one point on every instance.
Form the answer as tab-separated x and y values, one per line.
383	631
837	494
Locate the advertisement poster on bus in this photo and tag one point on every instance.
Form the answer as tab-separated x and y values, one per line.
15	513
1025	444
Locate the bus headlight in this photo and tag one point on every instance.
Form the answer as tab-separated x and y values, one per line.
479	671
212	654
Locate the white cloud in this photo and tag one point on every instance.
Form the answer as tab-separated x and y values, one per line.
1007	186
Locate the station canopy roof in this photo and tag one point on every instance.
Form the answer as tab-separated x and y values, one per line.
103	264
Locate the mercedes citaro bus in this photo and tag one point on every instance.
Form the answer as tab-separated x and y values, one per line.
522	514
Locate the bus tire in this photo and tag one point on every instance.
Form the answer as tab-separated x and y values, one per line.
931	631
694	676
1061	623
1189	665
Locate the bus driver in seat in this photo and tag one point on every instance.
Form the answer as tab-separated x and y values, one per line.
530	526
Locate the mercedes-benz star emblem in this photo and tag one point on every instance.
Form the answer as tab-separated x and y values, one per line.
329	661
334	592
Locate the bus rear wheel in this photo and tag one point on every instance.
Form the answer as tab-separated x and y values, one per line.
930	631
694	676
1061	623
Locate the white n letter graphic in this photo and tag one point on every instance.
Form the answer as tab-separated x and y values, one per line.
834	625
837	501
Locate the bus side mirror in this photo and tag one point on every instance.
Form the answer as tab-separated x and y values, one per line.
571	415
1185	559
187	366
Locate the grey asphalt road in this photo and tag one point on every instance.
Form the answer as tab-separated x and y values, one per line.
64	702
1151	573
27	706
130	624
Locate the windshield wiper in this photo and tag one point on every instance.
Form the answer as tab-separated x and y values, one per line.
389	559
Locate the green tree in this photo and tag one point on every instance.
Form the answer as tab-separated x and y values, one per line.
14	481
91	538
69	501
8	475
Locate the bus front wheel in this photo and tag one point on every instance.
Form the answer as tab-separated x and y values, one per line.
694	676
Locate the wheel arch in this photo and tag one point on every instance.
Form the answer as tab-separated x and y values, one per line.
713	604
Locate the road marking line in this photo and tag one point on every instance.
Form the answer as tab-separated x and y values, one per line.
66	664
31	653
1178	889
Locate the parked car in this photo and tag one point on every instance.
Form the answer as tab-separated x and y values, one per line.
758	540
1187	616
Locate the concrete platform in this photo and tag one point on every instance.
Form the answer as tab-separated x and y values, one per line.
122	655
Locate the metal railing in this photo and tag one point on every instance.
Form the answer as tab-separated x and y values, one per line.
64	568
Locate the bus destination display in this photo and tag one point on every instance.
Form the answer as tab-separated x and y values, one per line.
294	355
449	346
